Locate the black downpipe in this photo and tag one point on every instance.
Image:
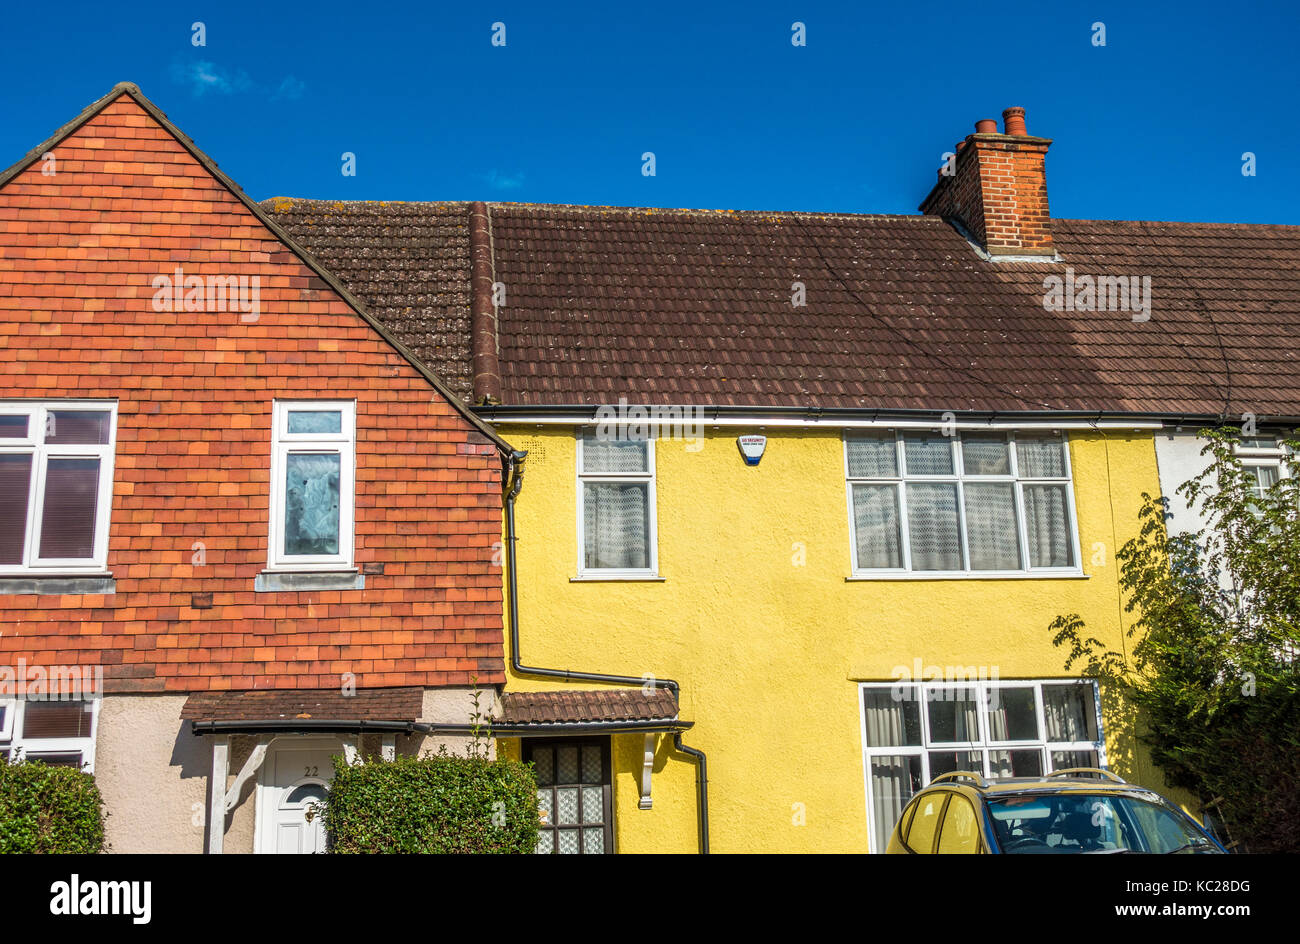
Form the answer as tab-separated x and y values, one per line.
514	484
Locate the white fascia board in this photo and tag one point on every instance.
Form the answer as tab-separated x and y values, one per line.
758	419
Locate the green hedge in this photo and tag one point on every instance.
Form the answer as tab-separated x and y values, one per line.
433	804
49	809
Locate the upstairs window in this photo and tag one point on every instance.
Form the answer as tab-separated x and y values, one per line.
1265	460
616	506
56	486
313	472
978	503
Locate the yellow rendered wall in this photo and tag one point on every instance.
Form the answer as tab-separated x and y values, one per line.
755	619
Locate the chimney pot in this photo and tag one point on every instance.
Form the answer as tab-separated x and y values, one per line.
986	126
1013	121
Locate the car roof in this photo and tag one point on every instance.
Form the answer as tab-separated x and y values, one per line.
1017	786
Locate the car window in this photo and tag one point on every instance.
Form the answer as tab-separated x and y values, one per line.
925	821
960	831
1089	822
1164	830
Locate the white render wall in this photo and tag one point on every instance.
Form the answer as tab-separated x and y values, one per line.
1178	457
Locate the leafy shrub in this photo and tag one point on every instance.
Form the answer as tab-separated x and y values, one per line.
46	809
1215	671
433	804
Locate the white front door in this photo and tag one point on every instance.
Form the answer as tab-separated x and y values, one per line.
294	777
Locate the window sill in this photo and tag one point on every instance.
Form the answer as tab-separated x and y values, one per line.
275	581
617	578
986	575
63	584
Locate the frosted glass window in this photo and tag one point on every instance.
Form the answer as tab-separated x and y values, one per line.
313	470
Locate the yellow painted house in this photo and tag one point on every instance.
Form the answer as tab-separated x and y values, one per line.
797	496
791	654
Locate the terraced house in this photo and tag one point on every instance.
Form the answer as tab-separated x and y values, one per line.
785	501
831	475
242	529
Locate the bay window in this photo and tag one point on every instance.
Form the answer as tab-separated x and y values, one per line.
56	486
978	503
313	470
913	732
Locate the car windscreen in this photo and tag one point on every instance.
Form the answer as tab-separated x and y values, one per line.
1059	823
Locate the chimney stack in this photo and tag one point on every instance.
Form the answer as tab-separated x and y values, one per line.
998	192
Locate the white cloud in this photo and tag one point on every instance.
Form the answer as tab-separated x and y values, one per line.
502	181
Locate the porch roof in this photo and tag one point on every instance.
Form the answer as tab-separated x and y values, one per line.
305	707
578	707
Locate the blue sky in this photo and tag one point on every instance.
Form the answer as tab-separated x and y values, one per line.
1151	126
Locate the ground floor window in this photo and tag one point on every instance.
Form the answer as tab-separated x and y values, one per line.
914	732
573	795
57	732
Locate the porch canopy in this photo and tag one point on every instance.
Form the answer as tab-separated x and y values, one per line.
648	711
288	712
581	712
304	710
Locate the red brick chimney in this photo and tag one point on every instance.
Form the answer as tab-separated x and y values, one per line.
999	191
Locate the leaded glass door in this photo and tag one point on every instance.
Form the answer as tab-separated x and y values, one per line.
573	795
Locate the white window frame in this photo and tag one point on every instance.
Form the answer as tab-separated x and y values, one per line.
1264	457
12	739
282	444
959	478
10	706
648	477
985	745
34	445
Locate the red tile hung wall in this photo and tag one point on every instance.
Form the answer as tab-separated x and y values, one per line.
78	253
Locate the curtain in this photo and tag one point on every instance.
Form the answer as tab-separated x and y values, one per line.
933	526
1012	714
1040	457
894	778
985	454
927	455
875	526
1069	713
992	532
891	720
613	455
873	456
616	525
954	715
1047	524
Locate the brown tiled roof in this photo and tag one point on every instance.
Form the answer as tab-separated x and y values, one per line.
408	262
377	704
630	704
694	307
